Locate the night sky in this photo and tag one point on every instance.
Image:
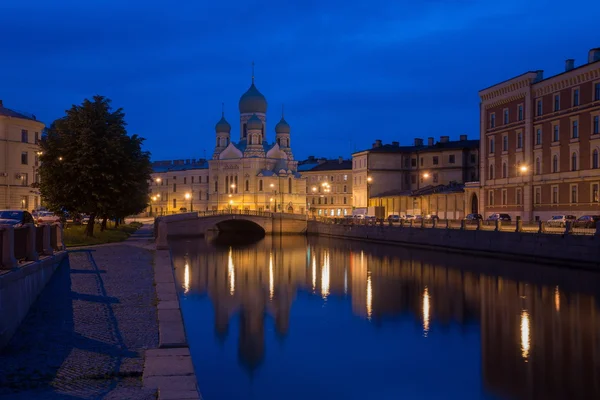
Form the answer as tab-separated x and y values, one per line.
348	72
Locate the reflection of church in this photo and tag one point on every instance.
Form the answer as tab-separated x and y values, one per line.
537	341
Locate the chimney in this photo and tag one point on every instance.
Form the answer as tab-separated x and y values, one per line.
418	142
593	56
377	143
463	138
444	139
569	64
430	141
340	159
396	144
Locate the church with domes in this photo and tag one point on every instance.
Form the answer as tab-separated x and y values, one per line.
252	172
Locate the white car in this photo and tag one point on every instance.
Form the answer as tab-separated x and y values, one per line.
46	217
560	220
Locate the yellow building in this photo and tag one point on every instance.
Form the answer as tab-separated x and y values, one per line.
250	174
401	178
328	186
19	136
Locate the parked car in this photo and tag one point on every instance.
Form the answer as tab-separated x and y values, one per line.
46	216
393	218
409	217
15	218
432	217
560	220
499	217
587	221
474	217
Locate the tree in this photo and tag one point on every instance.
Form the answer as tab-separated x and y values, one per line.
90	165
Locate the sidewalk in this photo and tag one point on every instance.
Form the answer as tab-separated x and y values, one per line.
85	336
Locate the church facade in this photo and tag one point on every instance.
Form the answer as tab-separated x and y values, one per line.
249	173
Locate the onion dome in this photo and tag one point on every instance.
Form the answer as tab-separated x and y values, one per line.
253	101
282	126
254	123
223	125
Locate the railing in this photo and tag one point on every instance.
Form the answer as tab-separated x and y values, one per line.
235	212
28	243
568	228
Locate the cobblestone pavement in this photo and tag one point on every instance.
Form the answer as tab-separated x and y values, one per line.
84	337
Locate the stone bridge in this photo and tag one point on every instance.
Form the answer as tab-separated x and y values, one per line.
199	223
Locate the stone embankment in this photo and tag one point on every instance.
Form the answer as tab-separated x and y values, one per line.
566	250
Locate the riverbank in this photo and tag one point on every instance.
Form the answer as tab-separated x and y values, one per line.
86	335
563	250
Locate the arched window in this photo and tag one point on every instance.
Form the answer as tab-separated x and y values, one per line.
595	159
491	174
537	166
555	163
504	170
247	185
245	131
574	162
289	185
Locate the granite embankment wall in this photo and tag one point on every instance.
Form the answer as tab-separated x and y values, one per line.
566	250
20	287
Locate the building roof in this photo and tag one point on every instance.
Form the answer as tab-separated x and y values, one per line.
7	112
328	165
450	145
178	165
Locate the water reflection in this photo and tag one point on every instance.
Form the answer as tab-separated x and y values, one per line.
535	341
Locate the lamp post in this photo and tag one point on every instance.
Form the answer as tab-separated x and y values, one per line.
525	172
188	196
232	186
369	180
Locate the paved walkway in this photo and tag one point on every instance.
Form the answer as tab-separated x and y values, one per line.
85	336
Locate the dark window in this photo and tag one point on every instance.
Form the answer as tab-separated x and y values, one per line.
556	133
575	97
345	188
520	113
451	158
537	166
492	120
345	200
421	161
557	102
504	170
518	196
260	185
491	173
539	108
555	163
538	136
575	129
24	136
596	125
435	161
413	179
506	116
245	131
24	158
192	179
247	185
184	180
174	187
574	194
574	162
413	162
538	196
504	143
595	159
37	137
216	186
519	140
290	185
491	145
435	178
174	203
597	91
473	159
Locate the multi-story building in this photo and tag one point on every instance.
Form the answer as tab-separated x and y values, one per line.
19	136
250	174
391	175
328	186
540	144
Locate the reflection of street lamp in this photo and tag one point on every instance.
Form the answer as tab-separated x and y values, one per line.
230	205
189	197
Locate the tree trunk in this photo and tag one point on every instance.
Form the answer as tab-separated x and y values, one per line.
89	230
117	220
103	225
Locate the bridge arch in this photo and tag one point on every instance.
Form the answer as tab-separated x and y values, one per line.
240	225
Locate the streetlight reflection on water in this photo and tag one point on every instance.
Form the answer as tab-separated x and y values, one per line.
271	277
231	270
186	278
525	335
426	308
325	275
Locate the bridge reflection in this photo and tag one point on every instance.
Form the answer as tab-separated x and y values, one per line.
539	327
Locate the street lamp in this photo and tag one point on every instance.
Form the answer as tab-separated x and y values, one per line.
369	180
157	180
425	175
188	196
524	168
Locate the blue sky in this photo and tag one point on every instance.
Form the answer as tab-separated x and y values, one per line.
348	72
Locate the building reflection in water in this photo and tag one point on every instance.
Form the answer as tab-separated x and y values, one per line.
536	341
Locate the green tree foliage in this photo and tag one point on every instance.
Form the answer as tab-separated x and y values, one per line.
90	165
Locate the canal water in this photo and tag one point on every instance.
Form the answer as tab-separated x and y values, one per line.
317	318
